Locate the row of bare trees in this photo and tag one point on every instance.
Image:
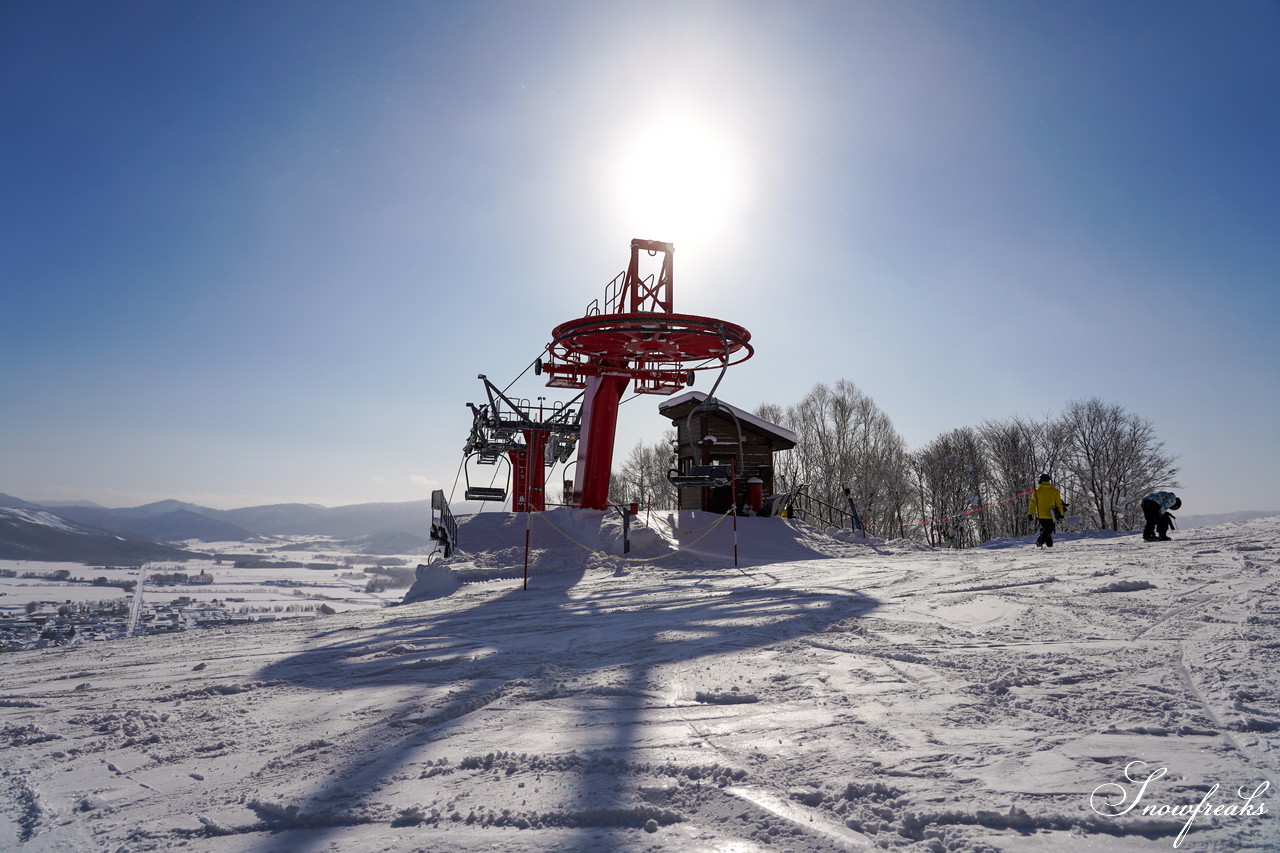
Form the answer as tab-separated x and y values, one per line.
966	486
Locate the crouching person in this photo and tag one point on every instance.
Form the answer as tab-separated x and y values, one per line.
1155	509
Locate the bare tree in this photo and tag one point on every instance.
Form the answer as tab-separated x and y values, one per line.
1102	458
1114	458
787	474
1018	450
845	439
643	476
951	482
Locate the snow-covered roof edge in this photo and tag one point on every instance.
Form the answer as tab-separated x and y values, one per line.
746	417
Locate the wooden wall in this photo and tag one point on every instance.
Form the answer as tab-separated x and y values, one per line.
757	459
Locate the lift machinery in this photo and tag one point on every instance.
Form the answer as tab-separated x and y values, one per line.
635	336
525	436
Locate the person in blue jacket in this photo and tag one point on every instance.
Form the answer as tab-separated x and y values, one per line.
1155	508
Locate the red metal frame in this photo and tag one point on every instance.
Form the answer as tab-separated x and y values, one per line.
658	351
645	297
639	339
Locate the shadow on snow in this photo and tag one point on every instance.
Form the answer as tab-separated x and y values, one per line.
518	647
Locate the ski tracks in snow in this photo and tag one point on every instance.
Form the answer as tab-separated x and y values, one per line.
902	699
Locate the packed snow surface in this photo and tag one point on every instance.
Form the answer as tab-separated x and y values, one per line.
825	693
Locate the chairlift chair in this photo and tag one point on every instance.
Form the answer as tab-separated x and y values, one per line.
708	476
485	493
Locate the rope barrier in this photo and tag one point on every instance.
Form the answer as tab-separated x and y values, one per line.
705	533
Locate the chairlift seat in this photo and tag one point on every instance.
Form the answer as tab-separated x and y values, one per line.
708	476
490	492
485	493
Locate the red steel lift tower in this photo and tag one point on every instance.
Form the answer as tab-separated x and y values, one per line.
637	336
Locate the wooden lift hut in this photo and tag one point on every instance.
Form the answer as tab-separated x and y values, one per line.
710	438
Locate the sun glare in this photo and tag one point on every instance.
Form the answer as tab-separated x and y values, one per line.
680	180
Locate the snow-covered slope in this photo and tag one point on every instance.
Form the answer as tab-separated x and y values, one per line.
823	695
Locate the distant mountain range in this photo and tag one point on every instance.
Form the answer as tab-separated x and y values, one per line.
1188	521
86	532
37	534
170	526
343	522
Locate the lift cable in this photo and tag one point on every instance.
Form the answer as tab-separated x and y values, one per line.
457	477
526	370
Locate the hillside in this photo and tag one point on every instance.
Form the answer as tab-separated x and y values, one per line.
37	534
824	694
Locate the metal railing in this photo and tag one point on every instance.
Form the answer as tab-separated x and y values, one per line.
444	528
813	510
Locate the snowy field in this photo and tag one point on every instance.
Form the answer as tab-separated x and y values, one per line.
341	587
824	694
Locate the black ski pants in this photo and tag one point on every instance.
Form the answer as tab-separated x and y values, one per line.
1047	527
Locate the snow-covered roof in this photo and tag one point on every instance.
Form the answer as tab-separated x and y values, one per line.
746	417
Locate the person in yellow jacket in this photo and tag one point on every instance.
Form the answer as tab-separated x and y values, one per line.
1046	507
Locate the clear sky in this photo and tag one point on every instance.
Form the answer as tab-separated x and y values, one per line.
258	251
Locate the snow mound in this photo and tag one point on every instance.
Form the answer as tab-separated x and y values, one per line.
434	580
492	545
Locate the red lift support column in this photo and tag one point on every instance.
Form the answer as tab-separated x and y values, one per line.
529	473
595	445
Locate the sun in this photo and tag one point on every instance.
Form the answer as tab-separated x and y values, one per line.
680	179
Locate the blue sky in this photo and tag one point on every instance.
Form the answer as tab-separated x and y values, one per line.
258	251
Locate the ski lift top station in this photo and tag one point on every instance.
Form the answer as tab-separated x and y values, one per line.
635	336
